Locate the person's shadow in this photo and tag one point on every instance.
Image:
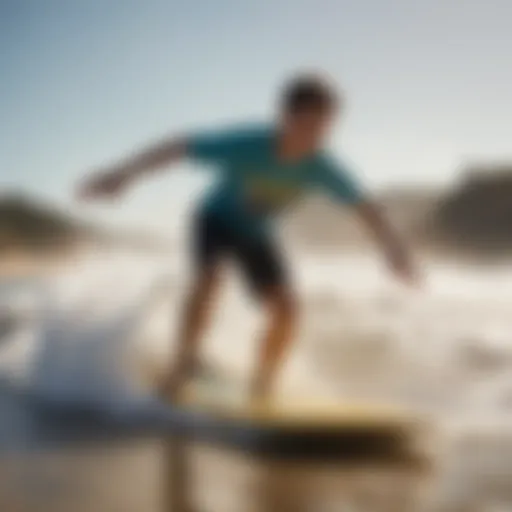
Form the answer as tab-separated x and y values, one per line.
176	482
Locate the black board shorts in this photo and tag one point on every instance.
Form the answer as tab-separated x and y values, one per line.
258	258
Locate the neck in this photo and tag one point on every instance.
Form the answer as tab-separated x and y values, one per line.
290	148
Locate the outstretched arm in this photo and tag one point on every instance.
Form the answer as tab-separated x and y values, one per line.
338	182
111	180
396	253
213	148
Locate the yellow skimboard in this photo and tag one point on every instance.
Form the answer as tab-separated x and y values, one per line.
232	402
300	427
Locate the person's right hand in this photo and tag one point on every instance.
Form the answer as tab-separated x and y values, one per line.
103	185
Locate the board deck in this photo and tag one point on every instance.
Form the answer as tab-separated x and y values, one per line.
292	413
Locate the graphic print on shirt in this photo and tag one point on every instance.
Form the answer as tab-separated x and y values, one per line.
269	195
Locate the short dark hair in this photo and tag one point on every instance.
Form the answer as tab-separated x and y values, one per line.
308	91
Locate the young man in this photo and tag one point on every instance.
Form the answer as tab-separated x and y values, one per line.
263	169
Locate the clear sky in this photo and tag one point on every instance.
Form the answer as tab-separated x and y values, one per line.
428	83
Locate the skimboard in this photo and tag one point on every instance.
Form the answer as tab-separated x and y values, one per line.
301	427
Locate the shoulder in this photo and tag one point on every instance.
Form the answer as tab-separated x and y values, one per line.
332	170
326	163
243	133
336	177
249	137
239	139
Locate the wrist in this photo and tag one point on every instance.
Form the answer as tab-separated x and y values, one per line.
127	172
397	251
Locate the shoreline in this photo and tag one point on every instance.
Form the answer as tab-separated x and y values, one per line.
19	265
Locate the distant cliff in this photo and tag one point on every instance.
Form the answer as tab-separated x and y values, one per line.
31	226
27	225
477	214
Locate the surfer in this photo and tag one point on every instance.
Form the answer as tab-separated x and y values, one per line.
262	170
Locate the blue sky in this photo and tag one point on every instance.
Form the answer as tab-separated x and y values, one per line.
85	81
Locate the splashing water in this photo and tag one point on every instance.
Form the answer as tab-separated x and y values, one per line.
78	335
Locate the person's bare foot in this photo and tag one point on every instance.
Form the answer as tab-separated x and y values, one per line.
171	385
174	381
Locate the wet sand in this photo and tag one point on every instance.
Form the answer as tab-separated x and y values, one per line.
136	476
43	468
15	265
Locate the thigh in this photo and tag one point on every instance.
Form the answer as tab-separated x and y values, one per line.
263	265
209	243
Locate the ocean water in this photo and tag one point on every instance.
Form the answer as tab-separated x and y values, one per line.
87	333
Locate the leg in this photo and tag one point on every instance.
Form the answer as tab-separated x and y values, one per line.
266	272
194	322
209	244
196	315
282	317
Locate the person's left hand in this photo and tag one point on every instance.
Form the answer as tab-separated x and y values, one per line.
404	269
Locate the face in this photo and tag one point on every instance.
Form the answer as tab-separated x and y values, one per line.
309	127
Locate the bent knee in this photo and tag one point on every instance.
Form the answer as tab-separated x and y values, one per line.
204	286
284	304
